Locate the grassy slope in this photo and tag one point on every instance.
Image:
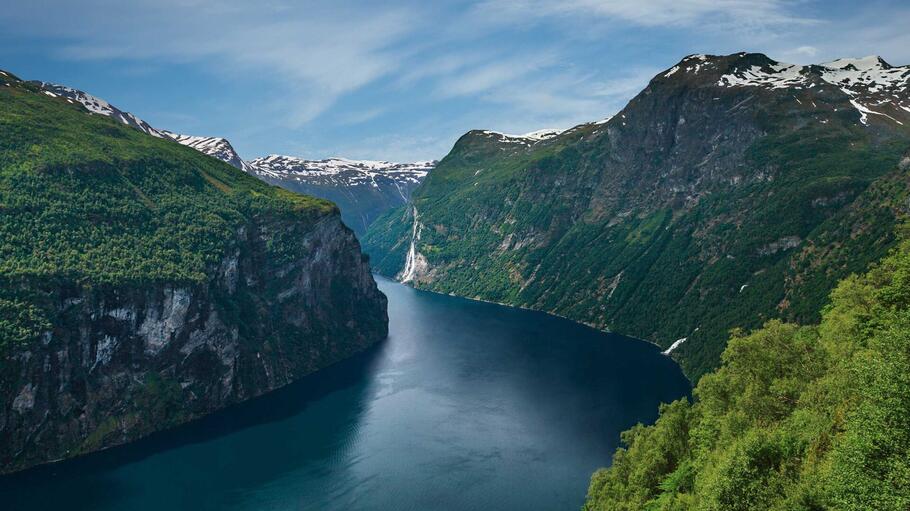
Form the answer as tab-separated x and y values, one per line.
87	201
796	418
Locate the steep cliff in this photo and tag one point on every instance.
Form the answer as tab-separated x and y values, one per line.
143	284
731	190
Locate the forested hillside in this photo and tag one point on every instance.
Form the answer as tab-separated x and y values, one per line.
798	417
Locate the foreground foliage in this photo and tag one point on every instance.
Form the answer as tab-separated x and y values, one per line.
796	418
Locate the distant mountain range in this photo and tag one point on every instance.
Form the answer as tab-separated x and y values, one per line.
731	190
362	189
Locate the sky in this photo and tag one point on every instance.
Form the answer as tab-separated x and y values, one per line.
401	80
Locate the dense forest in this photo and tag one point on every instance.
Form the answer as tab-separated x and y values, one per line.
798	417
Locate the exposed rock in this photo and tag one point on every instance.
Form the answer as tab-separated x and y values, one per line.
785	243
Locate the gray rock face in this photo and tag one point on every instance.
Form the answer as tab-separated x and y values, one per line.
121	363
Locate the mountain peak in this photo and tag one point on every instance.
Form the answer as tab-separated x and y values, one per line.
872	62
710	65
745	62
869	84
98	106
216	147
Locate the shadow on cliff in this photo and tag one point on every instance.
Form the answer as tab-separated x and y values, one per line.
249	438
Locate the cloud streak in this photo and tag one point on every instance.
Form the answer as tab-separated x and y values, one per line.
318	75
652	13
313	55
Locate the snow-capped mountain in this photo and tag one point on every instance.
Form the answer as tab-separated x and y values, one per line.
740	187
342	171
876	88
362	189
97	105
215	147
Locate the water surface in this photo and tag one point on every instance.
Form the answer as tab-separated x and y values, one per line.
466	406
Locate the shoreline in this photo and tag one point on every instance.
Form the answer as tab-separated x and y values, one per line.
553	314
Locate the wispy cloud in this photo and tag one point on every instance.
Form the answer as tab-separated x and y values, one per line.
396	147
562	100
651	13
484	77
318	76
359	116
314	55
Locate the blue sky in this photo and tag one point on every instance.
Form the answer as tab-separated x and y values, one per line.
401	80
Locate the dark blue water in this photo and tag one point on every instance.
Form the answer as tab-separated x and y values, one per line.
467	406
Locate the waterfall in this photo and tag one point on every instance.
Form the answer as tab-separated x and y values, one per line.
410	263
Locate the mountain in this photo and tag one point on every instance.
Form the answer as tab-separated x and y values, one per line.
362	189
731	190
797	417
216	147
99	106
143	284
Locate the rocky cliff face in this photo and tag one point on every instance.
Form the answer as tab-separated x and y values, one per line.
122	362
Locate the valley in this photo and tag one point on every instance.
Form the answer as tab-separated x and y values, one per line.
699	302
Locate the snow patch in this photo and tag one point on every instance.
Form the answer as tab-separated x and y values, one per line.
868	81
527	138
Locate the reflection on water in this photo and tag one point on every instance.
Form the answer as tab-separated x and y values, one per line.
466	406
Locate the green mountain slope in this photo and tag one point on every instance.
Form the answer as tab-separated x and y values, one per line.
87	200
143	284
704	205
796	418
